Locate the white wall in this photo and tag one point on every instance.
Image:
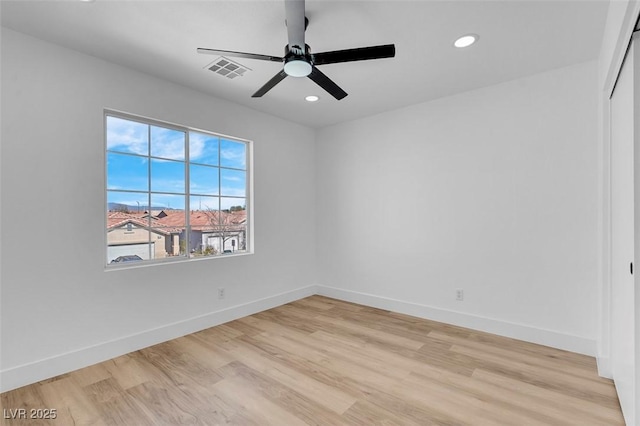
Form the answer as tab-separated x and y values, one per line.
60	309
492	191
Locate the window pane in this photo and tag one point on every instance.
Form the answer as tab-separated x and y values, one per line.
168	225
233	204
167	242
165	202
202	203
203	148
127	136
233	182
127	231
235	238
233	229
127	172
167	176
167	143
233	154
204	179
205	219
127	202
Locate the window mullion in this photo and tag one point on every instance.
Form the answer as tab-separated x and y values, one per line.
149	191
220	224
187	201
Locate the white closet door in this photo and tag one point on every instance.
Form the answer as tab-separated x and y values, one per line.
624	172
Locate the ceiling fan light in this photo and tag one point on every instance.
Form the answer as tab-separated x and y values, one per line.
465	41
297	68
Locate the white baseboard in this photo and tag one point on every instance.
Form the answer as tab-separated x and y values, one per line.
516	331
33	372
26	374
604	367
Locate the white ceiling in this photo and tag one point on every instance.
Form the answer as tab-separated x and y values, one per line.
517	38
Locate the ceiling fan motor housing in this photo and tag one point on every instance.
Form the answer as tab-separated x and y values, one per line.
296	62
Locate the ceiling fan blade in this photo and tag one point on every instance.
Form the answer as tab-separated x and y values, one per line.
295	23
357	54
239	54
270	84
327	84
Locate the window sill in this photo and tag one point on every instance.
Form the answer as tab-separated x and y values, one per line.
170	261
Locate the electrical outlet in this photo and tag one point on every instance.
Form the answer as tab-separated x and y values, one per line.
221	293
459	294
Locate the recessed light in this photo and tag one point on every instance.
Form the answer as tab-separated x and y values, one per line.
311	98
466	40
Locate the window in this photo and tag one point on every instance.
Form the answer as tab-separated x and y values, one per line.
173	192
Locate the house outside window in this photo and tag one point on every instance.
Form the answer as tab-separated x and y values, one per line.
174	193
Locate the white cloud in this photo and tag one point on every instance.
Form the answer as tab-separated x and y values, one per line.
233	154
196	144
203	148
127	136
167	143
233	192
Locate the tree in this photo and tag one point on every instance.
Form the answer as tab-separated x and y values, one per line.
221	224
121	208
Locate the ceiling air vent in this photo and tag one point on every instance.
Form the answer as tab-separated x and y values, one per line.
227	67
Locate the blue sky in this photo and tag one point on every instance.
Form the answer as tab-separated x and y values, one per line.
213	167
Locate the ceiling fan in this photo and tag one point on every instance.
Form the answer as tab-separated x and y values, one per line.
298	59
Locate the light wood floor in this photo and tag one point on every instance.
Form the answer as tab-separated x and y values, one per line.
323	361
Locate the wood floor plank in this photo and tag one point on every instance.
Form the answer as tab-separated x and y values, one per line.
165	406
475	392
129	371
286	319
408	411
258	408
398	355
378	321
323	361
507	352
431	393
318	370
112	402
180	368
287	398
367	413
381	360
577	386
572	407
19	404
314	303
76	408
372	336
88	375
202	351
328	396
523	347
336	303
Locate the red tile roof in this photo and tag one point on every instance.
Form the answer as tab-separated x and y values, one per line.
174	221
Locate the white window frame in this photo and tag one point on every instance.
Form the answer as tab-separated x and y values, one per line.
188	257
